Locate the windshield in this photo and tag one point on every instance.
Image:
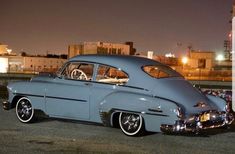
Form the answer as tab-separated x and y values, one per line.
160	71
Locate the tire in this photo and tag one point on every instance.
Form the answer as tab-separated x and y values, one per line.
24	110
131	124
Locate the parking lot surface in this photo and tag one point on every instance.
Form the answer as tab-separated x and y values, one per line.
59	136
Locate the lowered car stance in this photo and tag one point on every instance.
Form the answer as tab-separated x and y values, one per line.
132	93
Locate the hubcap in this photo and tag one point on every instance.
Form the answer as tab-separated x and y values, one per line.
24	110
130	123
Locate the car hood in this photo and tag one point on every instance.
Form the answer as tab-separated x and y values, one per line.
181	92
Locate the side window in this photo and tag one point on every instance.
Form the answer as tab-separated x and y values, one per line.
160	71
107	74
78	71
156	72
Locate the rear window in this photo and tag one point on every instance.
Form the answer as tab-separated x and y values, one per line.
160	71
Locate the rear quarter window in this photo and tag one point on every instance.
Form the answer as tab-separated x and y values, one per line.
160	71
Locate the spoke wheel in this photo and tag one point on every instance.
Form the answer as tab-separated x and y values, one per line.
24	110
131	124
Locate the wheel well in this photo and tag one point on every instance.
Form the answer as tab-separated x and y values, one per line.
115	120
14	101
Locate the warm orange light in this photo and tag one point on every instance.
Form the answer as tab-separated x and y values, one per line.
185	60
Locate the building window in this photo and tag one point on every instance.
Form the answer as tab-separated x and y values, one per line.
114	51
201	63
119	51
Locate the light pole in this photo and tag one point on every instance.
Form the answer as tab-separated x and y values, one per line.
220	58
184	61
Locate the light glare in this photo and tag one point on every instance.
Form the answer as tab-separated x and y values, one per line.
184	60
3	65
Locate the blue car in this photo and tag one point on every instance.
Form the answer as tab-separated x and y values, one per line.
133	93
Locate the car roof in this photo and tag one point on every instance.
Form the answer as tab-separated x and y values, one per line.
119	61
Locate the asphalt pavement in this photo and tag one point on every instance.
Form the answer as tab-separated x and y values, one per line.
59	136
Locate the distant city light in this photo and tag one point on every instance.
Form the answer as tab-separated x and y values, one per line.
9	51
185	60
4	65
220	57
170	55
150	54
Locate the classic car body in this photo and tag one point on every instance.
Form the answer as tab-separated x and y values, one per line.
133	93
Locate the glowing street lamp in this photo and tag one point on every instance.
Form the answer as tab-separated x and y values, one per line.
185	60
220	57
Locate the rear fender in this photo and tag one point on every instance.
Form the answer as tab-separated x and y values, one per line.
219	102
154	111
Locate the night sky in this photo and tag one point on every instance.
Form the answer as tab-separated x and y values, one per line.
38	26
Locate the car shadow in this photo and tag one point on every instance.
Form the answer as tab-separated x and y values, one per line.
44	119
41	118
208	132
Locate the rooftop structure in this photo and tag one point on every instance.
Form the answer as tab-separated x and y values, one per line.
100	48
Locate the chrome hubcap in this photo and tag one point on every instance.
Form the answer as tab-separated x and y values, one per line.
130	122
24	109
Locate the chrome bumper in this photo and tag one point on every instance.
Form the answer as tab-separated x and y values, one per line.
6	105
196	123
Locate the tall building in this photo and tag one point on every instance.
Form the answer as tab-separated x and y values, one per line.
100	48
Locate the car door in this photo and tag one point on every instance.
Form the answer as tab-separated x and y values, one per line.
107	80
68	96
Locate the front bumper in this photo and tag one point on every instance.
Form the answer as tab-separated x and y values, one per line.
6	105
197	123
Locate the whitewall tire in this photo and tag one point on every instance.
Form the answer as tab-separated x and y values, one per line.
24	110
131	124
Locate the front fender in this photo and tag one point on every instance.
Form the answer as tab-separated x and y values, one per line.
33	90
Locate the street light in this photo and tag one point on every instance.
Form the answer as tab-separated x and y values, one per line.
185	60
220	57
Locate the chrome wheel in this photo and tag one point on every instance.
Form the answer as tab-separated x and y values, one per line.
131	124
24	110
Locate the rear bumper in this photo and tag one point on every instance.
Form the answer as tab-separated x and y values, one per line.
196	123
6	105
